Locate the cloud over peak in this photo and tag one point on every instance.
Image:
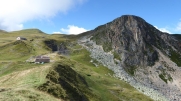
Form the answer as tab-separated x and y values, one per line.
72	29
14	13
163	30
178	28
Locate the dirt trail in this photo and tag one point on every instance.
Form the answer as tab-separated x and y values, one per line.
18	79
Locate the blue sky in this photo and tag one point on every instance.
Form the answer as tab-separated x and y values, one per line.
75	16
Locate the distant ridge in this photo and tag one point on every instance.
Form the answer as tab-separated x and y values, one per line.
3	31
29	31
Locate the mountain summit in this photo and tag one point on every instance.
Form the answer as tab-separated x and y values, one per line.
137	37
132	47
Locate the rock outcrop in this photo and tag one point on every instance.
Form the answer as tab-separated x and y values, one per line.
135	36
56	46
139	54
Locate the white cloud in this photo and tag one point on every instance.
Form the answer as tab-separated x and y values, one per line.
163	29
178	28
13	13
71	29
57	33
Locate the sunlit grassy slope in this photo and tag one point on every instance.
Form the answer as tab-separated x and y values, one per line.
21	50
69	77
101	80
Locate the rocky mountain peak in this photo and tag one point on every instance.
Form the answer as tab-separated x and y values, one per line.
135	26
132	45
130	19
134	39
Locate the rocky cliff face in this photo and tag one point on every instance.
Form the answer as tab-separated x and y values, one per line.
134	39
56	46
133	48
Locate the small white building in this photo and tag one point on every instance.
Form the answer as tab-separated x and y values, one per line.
20	38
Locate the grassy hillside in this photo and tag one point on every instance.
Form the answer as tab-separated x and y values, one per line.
102	82
19	82
68	77
7	37
12	50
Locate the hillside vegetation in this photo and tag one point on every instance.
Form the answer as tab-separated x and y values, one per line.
69	77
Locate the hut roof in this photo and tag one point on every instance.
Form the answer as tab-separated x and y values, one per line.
42	59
